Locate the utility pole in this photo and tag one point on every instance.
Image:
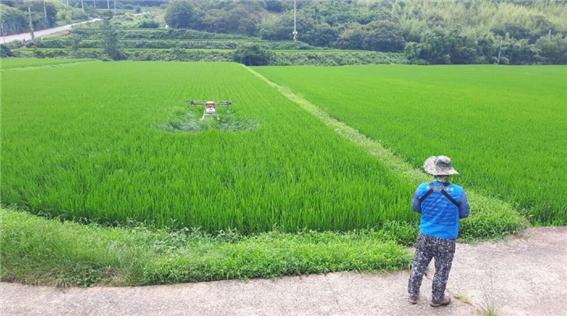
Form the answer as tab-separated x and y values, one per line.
499	51
94	4
114	6
108	4
30	23
294	20
45	14
82	6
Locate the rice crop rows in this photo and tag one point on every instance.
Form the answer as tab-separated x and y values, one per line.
504	127
87	141
33	62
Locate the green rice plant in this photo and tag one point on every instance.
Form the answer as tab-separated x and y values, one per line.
86	142
504	127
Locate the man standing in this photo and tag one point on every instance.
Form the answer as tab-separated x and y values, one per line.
441	205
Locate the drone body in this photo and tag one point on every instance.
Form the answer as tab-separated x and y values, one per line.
211	107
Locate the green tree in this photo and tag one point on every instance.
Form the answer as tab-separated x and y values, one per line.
234	20
322	34
377	36
76	39
553	48
12	20
520	52
179	14
110	40
275	5
383	36
5	51
39	17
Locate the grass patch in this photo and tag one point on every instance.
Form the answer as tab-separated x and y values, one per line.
40	251
192	120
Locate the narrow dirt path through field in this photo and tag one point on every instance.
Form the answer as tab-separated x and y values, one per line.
522	275
376	149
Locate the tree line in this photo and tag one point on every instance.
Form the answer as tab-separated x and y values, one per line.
464	31
15	17
15	14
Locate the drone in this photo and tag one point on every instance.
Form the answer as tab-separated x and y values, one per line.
211	107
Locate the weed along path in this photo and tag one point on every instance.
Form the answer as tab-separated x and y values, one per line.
518	276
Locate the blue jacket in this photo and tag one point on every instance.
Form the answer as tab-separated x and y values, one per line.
439	215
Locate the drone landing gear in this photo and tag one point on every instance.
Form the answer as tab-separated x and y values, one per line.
208	112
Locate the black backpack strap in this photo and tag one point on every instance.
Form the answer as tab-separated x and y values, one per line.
443	191
424	196
451	198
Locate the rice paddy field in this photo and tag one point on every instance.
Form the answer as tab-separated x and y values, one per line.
109	176
504	127
93	141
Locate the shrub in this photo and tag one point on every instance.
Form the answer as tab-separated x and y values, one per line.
253	54
5	51
148	24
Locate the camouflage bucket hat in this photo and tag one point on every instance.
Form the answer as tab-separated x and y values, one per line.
439	166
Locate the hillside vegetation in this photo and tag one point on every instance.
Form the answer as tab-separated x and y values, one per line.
191	45
516	32
388	31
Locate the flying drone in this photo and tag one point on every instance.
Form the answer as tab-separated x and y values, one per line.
211	107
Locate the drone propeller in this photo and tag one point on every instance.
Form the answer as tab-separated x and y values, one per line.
197	102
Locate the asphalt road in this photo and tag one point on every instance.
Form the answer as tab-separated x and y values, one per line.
41	33
524	275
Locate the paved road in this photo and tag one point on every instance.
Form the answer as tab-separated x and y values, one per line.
41	33
525	275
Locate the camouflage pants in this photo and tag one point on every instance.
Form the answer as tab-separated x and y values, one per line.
427	248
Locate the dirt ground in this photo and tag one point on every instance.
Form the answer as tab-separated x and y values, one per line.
524	275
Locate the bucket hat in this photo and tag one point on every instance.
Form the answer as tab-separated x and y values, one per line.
439	166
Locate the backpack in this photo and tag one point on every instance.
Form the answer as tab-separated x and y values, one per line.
435	188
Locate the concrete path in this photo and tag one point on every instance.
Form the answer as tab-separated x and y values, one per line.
40	33
525	275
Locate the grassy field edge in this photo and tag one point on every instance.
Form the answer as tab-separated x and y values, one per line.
489	218
35	250
25	63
